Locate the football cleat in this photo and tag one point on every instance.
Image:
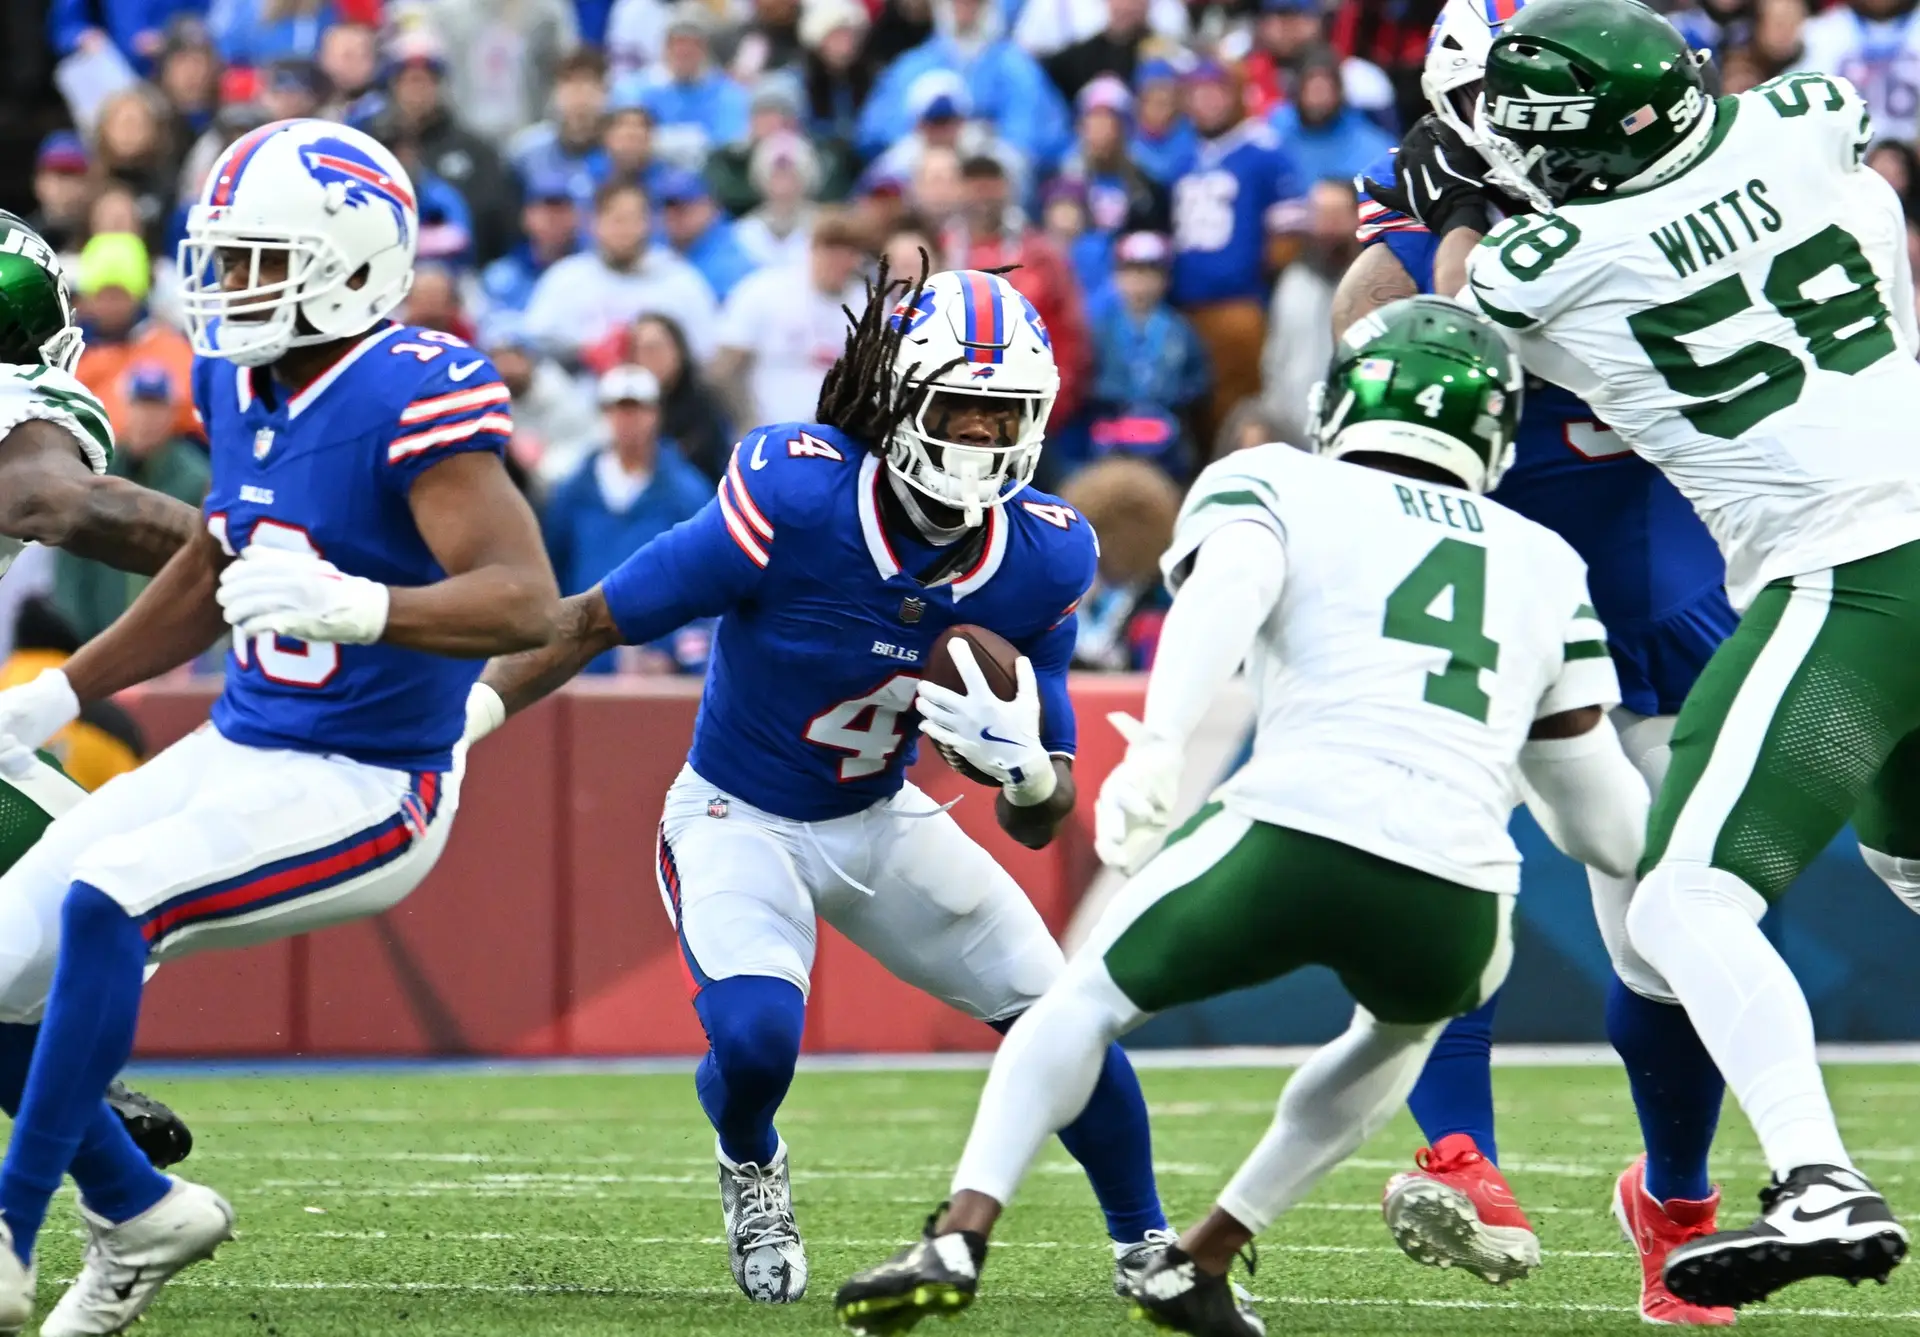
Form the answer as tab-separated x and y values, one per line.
126	1264
763	1240
1130	1260
937	1274
16	1287
162	1136
1656	1229
1457	1211
1173	1292
1819	1221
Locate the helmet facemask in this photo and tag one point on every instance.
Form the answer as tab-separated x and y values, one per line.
972	475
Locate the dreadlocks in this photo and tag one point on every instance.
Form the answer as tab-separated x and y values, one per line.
862	395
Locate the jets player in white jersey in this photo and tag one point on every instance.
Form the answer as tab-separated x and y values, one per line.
1423	657
1727	285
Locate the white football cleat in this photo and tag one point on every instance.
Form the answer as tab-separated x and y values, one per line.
763	1240
127	1264
1131	1261
16	1287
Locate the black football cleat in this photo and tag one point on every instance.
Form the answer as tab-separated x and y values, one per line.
938	1274
160	1133
1820	1221
1172	1292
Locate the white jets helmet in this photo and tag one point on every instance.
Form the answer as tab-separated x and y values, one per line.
971	333
1457	59
329	202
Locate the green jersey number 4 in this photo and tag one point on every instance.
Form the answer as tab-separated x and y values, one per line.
1460	570
1845	332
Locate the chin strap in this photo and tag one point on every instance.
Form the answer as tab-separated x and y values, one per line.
938	535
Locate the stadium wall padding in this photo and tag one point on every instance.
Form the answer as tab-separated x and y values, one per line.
542	931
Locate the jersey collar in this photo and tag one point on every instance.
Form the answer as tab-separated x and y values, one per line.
318	386
880	548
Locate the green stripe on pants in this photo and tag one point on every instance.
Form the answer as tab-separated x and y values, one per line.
1795	717
1231	902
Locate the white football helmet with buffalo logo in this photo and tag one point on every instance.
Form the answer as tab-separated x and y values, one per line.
971	333
1457	60
329	200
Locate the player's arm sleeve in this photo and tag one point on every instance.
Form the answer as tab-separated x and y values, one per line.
1587	676
1588	798
1235	579
448	416
51	395
1223	494
1052	654
1851	120
700	568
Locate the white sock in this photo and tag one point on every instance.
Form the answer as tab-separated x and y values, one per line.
1043	1076
1338	1099
1700	928
1902	876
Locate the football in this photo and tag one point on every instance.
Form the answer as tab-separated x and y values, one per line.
995	655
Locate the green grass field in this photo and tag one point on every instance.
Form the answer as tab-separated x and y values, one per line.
419	1204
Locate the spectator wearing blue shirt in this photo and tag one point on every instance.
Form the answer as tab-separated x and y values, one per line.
1149	368
567	145
1329	140
1006	85
550	228
1238	211
695	107
632	489
1163	139
694	228
136	27
253	32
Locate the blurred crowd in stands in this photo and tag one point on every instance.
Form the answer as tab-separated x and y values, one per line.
654	216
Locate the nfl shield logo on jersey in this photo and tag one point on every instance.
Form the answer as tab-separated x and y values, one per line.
716	806
262	442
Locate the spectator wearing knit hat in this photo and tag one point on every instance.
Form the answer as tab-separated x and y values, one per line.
1163	138
1004	83
839	69
696	106
785	173
417	110
1120	197
61	191
111	283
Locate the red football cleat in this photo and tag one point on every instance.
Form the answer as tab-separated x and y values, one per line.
1457	1211
1656	1229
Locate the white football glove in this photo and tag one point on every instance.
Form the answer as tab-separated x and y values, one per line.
303	596
30	714
1135	808
998	738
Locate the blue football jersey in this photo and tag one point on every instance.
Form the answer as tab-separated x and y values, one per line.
1238	189
1656	576
808	708
328	470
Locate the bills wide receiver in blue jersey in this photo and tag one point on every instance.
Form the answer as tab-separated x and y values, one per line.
366	545
834	555
1657	581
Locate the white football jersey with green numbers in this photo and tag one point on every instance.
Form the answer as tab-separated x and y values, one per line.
1420	631
54	395
1747	324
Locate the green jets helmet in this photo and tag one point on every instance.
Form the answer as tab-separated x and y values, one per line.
1424	379
36	315
1590	94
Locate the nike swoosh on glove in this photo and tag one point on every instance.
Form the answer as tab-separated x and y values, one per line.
1135	808
1440	180
999	738
303	596
30	714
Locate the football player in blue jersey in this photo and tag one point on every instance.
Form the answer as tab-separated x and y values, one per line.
834	555
1657	581
364	541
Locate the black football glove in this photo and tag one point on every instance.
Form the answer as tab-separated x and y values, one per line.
1440	180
